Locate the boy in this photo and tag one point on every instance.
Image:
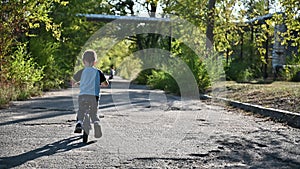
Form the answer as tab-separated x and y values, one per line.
90	79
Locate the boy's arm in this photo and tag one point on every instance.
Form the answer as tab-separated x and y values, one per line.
76	78
77	75
103	80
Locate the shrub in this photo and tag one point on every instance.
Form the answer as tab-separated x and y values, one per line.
129	68
161	79
292	70
44	53
142	77
242	71
164	81
24	75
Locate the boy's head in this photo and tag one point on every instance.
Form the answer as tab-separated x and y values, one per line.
89	57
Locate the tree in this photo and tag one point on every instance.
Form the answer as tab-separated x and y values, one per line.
210	24
292	21
44	35
20	75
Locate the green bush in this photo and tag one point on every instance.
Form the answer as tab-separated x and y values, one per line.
242	71
129	68
296	74
142	77
292	70
6	93
24	75
159	79
198	66
44	52
164	81
163	78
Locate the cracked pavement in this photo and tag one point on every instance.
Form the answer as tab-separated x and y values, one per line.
142	129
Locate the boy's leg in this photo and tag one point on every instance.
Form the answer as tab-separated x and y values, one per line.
95	119
97	128
80	114
94	109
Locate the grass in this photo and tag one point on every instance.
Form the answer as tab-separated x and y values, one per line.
9	92
278	94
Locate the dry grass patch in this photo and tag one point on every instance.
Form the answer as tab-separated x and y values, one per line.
279	95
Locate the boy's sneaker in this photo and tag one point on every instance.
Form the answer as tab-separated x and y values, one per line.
97	128
78	128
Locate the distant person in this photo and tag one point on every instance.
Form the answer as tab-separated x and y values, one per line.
90	79
112	72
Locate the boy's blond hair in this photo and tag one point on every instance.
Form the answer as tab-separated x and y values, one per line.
89	56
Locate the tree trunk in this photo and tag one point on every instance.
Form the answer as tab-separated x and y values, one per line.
210	25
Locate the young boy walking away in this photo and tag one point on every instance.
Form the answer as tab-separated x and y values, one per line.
90	79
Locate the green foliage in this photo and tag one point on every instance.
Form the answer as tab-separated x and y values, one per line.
292	22
164	78
24	74
6	94
242	70
142	77
21	75
196	64
239	72
54	35
292	71
44	52
129	68
161	80
75	31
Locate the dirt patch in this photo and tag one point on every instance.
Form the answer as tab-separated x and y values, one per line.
278	95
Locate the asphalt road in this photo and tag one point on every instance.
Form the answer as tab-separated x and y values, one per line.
142	129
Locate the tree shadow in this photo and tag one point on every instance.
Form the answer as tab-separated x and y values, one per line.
47	108
47	150
135	96
52	103
45	116
263	151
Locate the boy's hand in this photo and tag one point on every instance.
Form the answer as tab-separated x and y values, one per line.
104	84
74	83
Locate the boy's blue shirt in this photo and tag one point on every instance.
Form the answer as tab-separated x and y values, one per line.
90	79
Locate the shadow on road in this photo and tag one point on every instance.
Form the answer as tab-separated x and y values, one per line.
135	96
46	107
261	152
238	152
47	150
